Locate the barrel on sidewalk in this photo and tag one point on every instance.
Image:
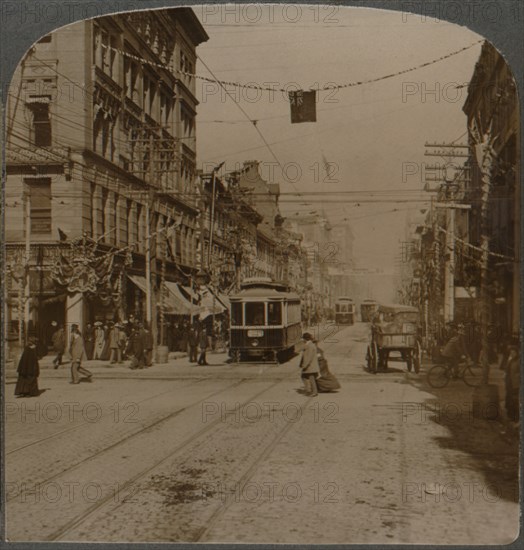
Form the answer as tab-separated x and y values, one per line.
162	354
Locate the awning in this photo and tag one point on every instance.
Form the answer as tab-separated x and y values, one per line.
174	301
140	282
210	304
189	294
222	298
178	304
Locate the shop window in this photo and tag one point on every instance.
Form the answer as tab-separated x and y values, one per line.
40	203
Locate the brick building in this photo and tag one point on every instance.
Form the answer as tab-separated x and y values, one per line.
100	141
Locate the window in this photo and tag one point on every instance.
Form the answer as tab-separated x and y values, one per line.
236	314
274	313
131	79
165	109
104	50
188	123
149	96
255	313
45	39
105	198
40	203
41	122
293	313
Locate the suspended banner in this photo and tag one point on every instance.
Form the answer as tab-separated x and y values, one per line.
303	106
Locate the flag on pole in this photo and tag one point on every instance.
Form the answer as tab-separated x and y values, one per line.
303	106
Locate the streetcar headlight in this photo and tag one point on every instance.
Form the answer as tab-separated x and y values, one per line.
254	343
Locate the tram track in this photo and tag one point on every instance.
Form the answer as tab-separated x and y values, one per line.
202	440
244	479
84	423
79	519
143	430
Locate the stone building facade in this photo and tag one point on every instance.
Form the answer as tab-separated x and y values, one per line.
101	154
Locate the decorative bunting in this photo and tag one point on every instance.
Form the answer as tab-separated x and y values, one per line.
303	106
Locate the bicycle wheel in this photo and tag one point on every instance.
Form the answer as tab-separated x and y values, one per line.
472	375
439	376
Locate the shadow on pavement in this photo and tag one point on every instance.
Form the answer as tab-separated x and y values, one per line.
492	445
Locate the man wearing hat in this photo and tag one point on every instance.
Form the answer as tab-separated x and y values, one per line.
309	365
78	354
59	343
114	343
455	351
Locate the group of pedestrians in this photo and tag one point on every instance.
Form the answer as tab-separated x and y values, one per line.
29	368
197	339
315	373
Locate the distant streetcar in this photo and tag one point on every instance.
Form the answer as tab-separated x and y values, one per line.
344	311
265	321
368	309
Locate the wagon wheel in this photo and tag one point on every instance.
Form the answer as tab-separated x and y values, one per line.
416	357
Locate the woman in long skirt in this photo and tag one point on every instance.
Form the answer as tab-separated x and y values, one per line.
89	341
28	372
100	341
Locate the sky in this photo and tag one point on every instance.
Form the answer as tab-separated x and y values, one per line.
372	135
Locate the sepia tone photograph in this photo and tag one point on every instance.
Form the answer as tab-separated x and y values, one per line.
301	224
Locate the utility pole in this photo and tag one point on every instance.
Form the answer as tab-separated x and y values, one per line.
212	222
448	151
449	280
27	278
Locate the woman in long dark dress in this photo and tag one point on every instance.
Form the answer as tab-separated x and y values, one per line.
327	381
28	372
89	340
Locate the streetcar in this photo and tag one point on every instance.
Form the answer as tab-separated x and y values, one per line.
265	321
344	311
368	309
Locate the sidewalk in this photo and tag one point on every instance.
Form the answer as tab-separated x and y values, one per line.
175	359
458	396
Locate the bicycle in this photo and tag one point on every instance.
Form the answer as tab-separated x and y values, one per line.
440	375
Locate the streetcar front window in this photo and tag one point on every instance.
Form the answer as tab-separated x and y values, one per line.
255	313
274	313
236	314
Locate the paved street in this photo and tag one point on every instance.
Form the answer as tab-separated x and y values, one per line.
221	453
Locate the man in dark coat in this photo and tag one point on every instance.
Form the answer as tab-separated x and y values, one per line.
136	346
148	345
192	344
202	343
28	372
59	344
